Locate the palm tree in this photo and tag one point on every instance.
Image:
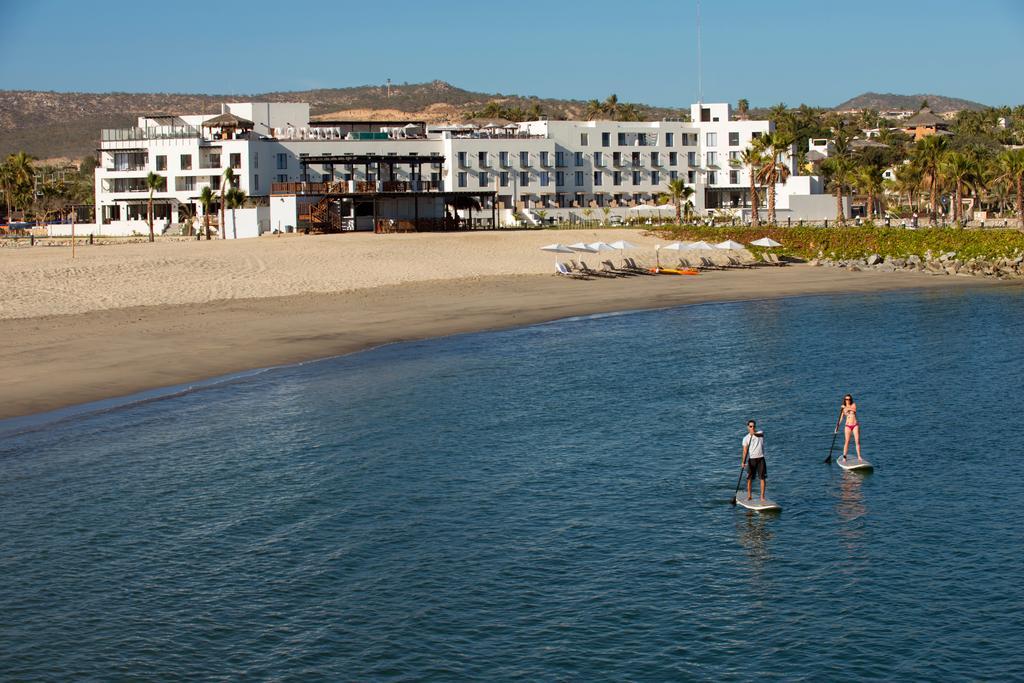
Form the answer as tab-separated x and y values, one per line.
838	168
235	198
7	186
773	170
611	106
751	159
928	155
868	179
958	169
153	183
226	182
908	180
594	110
1010	165
206	199
679	192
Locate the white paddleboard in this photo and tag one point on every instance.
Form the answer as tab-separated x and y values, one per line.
854	465
756	504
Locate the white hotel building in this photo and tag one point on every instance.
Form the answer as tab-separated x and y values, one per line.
345	175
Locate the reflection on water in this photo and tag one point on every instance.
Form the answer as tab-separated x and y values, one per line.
755	535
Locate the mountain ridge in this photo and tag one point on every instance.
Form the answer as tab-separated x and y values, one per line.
50	124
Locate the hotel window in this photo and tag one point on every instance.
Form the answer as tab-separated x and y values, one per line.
622	138
463	159
616	178
598	177
669	137
691	158
282	177
559	159
584	139
712	158
462	179
734	139
524	178
673	158
236	161
481	158
186	162
691	177
734	177
524	158
598	159
711	140
712	178
503	179
503	158
636	177
655	177
481	178
578	158
606	139
559	178
161	162
545	178
282	161
579	178
654	159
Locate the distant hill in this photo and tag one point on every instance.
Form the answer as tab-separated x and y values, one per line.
54	124
892	102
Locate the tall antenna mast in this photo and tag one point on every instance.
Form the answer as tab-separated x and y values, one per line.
700	67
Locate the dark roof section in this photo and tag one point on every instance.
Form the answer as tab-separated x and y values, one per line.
228	120
925	118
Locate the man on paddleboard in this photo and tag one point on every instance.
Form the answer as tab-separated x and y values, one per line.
753	457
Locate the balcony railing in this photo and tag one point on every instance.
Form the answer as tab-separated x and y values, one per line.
357	187
155	133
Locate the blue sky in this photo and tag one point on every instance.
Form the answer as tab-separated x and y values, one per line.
791	51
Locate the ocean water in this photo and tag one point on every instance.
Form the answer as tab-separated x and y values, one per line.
546	503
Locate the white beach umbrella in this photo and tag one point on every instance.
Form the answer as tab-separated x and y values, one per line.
583	248
601	246
729	245
766	242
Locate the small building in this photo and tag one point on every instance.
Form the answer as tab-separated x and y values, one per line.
925	123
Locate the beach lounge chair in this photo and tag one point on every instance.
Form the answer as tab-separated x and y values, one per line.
562	269
609	267
631	263
584	268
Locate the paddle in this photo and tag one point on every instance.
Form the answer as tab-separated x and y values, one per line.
828	460
738	482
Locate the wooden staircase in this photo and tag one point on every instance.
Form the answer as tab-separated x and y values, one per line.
325	216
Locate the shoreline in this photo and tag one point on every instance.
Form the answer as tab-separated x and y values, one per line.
64	361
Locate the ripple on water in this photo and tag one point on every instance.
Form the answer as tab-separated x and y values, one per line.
543	503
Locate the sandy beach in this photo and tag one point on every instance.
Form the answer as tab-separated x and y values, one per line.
122	319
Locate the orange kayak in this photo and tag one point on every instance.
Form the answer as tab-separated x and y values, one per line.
676	271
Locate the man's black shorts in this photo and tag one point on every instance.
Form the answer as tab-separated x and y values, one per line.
756	468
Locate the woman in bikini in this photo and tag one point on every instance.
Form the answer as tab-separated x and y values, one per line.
849	409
